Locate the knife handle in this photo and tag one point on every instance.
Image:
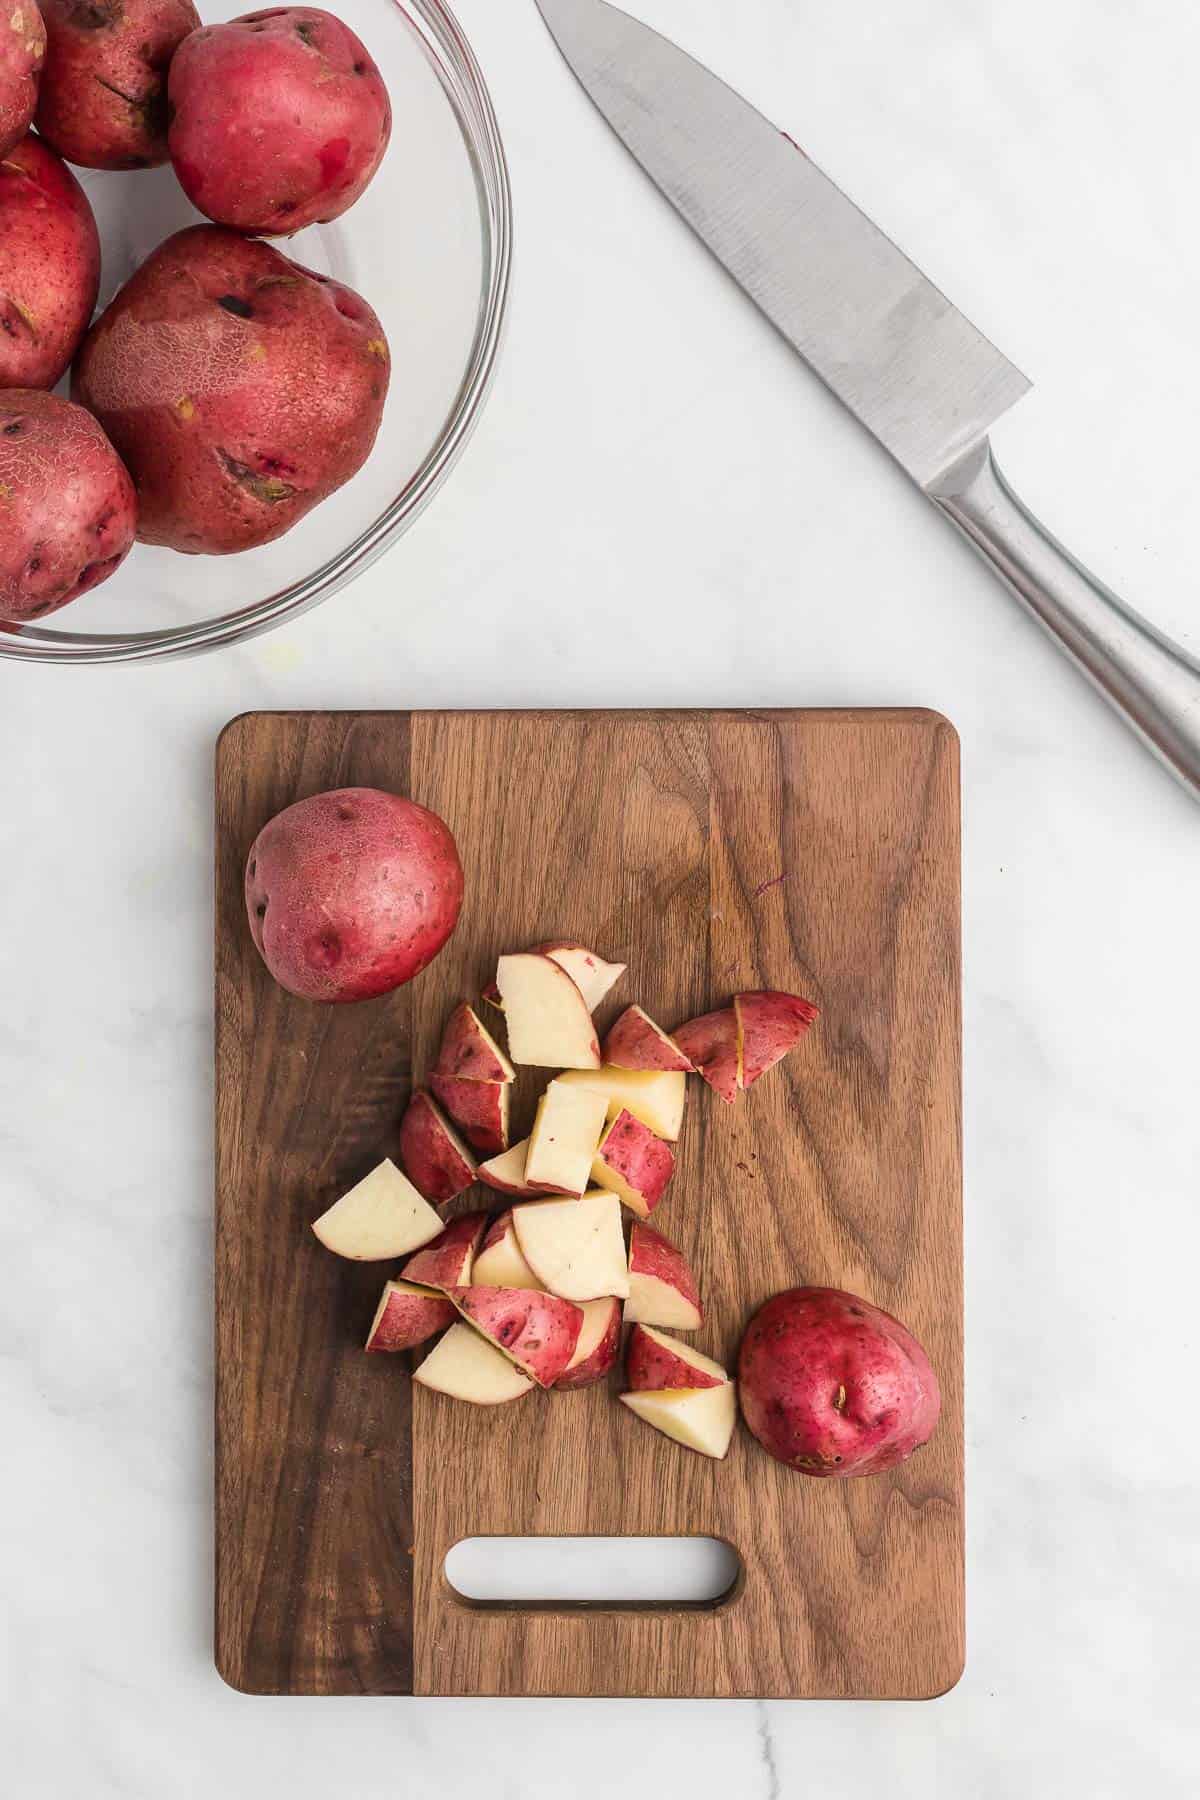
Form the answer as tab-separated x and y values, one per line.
1151	681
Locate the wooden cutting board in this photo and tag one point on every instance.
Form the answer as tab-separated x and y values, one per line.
712	851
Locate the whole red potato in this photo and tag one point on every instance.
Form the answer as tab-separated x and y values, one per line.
102	98
22	48
239	388
49	265
67	509
277	120
831	1385
352	892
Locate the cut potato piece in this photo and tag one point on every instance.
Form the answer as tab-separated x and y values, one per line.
469	1052
478	1108
406	1315
599	1342
499	1263
769	1024
633	1164
507	1173
467	1367
447	1263
576	1248
654	1360
563	1142
435	1158
662	1288
382	1217
590	973
701	1418
538	1331
549	1024
653	1096
636	1042
714	1046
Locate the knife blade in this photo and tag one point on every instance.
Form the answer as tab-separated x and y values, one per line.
909	366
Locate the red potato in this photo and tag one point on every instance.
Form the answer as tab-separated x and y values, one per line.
662	1288
634	1164
278	119
500	1262
240	389
469	1052
833	1386
448	1262
406	1316
67	510
506	1174
597	1347
536	1331
102	98
712	1043
653	1361
590	973
22	50
351	893
49	265
432	1154
636	1042
478	1108
769	1024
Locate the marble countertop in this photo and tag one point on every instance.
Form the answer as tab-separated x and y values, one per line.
662	507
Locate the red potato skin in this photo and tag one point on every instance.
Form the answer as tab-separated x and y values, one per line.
650	1253
595	1367
636	1042
428	1154
49	265
498	1229
711	1042
478	1108
467	1052
409	1320
447	1261
538	1331
771	1024
240	389
834	1386
631	1150
648	1366
277	120
68	515
22	52
102	98
351	893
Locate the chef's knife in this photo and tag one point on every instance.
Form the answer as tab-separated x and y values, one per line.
910	368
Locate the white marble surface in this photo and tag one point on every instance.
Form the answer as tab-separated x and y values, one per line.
661	507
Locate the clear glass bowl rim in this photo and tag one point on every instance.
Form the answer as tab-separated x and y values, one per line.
462	80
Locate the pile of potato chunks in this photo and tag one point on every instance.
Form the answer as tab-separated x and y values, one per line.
226	389
538	1295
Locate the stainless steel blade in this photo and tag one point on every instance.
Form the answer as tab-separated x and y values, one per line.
886	341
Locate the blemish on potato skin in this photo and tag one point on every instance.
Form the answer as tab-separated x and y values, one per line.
185	408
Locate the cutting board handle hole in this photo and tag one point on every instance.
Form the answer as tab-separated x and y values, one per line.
508	1573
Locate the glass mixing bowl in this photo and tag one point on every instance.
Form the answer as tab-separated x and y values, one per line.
429	246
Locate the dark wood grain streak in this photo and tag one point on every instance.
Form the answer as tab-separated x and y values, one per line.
659	838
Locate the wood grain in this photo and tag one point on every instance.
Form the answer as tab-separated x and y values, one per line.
659	837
